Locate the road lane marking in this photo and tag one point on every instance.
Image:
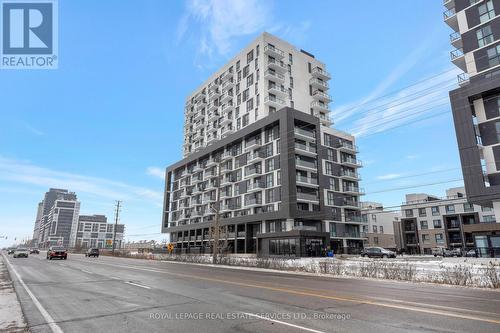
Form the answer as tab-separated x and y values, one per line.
282	322
85	271
138	285
48	318
312	294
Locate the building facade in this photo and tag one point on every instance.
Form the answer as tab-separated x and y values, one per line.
451	222
94	231
379	226
476	103
59	212
267	75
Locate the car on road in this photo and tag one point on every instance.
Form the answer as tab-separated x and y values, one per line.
11	251
34	251
21	253
57	252
471	253
455	252
377	252
92	252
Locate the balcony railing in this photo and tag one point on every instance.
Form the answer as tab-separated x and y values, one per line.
457	53
308	180
305	132
463	78
349	173
317	82
454	36
349	146
256	186
274	51
307	196
449	13
305	147
274	100
351	160
306	164
275	75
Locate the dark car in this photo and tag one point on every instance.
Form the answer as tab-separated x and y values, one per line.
57	252
377	252
11	251
21	253
34	251
93	252
456	252
471	253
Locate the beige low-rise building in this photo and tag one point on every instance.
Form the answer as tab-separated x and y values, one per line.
380	225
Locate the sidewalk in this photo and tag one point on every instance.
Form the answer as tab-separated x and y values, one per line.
11	316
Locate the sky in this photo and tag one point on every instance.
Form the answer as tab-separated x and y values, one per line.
108	121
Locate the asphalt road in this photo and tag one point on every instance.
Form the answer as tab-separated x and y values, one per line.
128	295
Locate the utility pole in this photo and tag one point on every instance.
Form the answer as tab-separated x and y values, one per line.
117	213
216	207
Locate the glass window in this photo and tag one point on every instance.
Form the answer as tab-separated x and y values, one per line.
439	238
329	168
437	223
468	207
381	228
484	36
374	229
421	212
409	212
486	11
330	199
424	225
425	238
450	208
493	55
435	210
249	56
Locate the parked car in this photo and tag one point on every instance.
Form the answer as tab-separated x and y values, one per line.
57	252
21	253
34	251
455	252
377	252
92	252
471	253
11	251
439	251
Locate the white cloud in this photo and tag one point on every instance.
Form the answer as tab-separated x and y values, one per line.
389	176
156	172
412	157
27	173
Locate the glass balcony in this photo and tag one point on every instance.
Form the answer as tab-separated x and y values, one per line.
320	73
276	65
274	101
273	51
321	96
307	180
317	83
307	196
274	76
305	133
307	164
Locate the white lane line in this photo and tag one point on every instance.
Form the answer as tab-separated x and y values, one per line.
48	318
85	271
137	285
114	278
283	323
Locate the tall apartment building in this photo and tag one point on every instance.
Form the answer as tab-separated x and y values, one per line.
379	227
258	150
264	77
38	219
57	225
452	222
476	103
95	231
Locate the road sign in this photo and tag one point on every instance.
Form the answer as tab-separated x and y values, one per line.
170	247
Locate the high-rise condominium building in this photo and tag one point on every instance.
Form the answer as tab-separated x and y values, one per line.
476	103
264	77
258	151
95	231
57	218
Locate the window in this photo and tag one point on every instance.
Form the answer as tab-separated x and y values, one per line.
375	240
270	197
249	56
278	178
250	104
493	55
486	11
450	208
374	217
468	207
290	58
435	210
374	229
291	82
330	153
486	209
249	80
246	71
330	199
484	36
269	180
408	212
238	65
421	212
439	238
425	238
424	225
329	168
437	223
246	94
381	228
245	120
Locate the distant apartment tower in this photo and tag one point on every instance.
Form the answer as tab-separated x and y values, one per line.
94	231
452	222
57	226
379	227
267	75
476	103
38	220
256	132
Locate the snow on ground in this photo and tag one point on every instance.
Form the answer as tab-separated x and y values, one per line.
11	316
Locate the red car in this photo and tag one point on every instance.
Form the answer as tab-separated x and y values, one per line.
57	252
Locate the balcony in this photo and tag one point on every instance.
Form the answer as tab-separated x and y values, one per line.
213	86
274	102
449	3
351	162
349	174
324	117
256	186
227	107
253	202
226	131
305	164
320	73
274	52
212	107
254	172
346	146
458	58
308	134
463	79
211	139
253	144
278	66
200	96
318	84
321	96
456	39
226	155
199	116
311	150
301	180
347	234
226	97
255	157
348	203
211	129
307	197
214	94
213	116
278	90
450	18
226	120
320	106
354	190
227	85
227	75
274	76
